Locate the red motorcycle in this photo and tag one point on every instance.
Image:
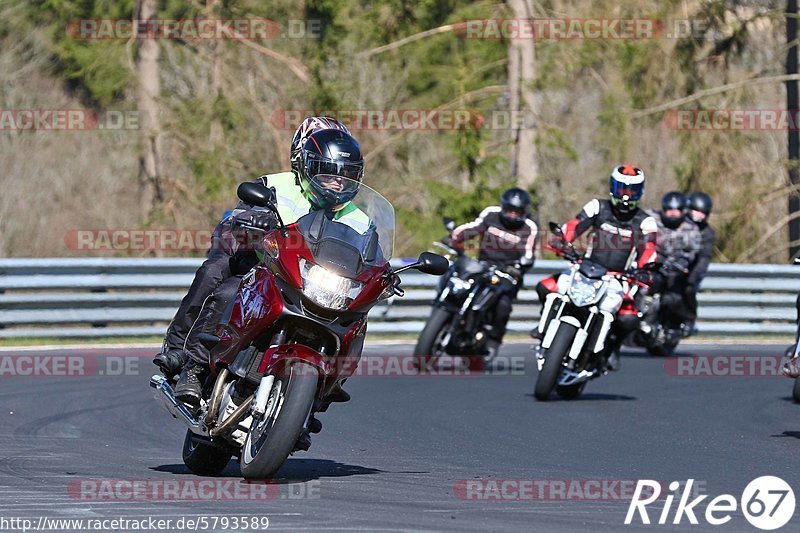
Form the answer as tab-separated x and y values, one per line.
291	336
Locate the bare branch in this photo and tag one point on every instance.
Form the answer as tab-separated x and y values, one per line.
297	68
639	113
410	39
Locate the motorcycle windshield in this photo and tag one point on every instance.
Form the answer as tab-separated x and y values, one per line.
355	234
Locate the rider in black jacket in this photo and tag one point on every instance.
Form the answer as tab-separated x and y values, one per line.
679	242
699	206
507	240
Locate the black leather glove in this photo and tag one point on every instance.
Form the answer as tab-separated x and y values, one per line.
243	224
265	220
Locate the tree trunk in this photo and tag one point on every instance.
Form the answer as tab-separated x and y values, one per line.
147	101
216	133
793	139
523	107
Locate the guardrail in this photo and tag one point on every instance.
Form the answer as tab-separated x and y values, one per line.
101	297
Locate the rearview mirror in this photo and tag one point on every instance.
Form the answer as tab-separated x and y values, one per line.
555	228
430	263
449	224
256	194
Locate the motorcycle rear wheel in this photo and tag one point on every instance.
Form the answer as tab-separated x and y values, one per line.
796	390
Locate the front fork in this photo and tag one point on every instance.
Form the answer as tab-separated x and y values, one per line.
549	325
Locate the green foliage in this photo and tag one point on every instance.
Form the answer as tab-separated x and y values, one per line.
96	68
217	132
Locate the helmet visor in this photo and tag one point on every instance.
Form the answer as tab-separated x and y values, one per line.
624	191
317	166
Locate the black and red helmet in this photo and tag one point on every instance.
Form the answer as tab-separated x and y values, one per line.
305	129
331	168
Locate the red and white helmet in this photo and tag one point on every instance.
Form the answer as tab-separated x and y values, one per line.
304	130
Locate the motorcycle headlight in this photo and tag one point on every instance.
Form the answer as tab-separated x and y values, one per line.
583	291
327	289
458	285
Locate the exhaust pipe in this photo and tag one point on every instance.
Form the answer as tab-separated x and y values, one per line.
164	392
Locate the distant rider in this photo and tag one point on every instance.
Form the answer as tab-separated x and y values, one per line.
699	207
507	240
678	244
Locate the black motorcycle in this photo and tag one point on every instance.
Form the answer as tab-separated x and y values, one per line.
462	314
661	328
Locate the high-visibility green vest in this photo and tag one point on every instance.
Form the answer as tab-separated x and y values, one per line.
293	204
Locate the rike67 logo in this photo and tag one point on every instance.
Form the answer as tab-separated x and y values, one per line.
767	503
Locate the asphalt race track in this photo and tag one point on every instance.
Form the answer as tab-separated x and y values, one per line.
426	453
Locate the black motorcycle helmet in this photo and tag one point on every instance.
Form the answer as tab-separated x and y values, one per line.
699	201
670	201
514	206
326	157
626	187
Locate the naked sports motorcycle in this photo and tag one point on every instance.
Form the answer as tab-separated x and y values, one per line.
462	309
291	335
574	329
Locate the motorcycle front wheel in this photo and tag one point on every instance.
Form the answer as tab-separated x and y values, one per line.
796	390
429	348
272	436
553	361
